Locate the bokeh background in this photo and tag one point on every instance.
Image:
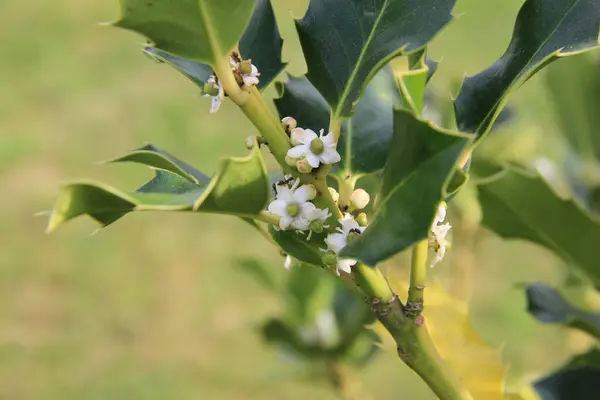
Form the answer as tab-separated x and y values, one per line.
154	307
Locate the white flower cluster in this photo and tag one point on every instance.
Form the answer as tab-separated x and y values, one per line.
244	69
437	240
311	150
349	230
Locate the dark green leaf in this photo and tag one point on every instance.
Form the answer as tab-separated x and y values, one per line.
198	30
239	178
578	380
544	31
298	247
574	83
346	42
260	42
518	205
548	306
365	137
422	159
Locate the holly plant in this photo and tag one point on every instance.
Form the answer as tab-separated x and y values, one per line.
364	174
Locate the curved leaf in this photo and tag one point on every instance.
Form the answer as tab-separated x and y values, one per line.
549	307
298	247
199	30
365	137
346	42
260	42
518	205
238	178
421	161
544	30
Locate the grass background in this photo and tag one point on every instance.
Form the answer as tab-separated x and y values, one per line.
153	307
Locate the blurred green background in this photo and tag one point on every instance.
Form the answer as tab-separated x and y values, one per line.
154	307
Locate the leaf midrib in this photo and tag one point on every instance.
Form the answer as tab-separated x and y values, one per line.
359	60
498	102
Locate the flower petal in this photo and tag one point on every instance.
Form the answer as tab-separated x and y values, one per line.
328	140
285	222
336	241
330	156
285	194
308	136
298	151
312	159
306	209
215	104
304	193
348	223
278	207
345	265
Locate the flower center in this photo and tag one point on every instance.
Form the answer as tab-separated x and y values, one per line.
211	89
245	67
316	226
329	258
353	234
317	146
293	210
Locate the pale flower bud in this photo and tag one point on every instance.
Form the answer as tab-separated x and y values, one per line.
249	142
288	124
334	194
290	161
313	191
303	166
360	199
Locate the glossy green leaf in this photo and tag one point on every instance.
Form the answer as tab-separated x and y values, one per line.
549	307
345	42
544	31
261	42
519	205
412	81
578	380
239	178
365	137
198	30
574	84
421	161
298	247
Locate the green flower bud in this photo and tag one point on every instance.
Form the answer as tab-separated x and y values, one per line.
329	259
317	146
211	89
303	166
245	67
362	219
290	161
316	226
293	210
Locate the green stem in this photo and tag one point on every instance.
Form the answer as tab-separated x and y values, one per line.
416	349
372	282
418	277
268	217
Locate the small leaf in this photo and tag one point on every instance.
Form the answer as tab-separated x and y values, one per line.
412	81
578	380
421	161
518	205
574	84
365	137
544	31
548	306
198	30
238	178
261	42
346	42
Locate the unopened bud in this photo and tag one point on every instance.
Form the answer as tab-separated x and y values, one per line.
329	259
249	142
290	161
316	226
360	199
245	67
211	89
361	219
334	194
317	146
288	124
313	191
297	136
303	166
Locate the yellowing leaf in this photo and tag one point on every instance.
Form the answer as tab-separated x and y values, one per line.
448	321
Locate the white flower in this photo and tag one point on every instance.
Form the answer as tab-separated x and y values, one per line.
437	241
288	263
337	241
251	78
316	149
316	221
292	205
246	70
218	96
